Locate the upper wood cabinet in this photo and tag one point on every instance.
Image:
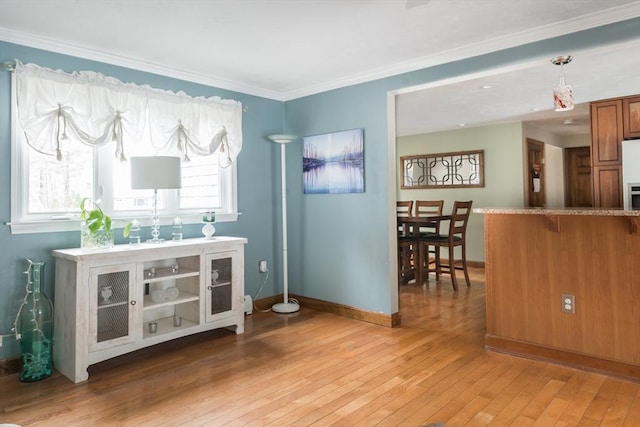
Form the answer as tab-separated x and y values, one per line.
631	117
606	153
612	120
606	133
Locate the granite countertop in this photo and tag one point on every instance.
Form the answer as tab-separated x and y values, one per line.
559	211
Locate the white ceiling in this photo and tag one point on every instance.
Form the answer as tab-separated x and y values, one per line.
284	49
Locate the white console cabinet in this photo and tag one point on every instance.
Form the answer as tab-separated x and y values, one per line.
113	301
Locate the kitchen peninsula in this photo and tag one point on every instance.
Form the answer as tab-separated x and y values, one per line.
564	285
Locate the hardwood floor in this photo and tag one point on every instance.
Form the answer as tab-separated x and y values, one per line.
319	369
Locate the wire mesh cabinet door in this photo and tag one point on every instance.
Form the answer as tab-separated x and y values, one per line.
221	294
113	310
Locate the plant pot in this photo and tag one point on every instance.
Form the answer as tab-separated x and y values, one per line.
101	239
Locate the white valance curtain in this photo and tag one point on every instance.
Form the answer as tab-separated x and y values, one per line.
57	108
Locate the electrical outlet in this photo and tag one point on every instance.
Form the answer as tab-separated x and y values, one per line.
569	303
262	266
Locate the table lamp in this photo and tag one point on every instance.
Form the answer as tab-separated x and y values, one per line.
154	173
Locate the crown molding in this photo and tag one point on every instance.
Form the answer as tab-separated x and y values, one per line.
37	42
609	16
586	22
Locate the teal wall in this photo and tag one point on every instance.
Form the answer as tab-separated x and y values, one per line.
339	249
339	245
256	181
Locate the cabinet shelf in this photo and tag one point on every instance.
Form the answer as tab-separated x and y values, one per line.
165	326
218	284
164	273
182	298
112	304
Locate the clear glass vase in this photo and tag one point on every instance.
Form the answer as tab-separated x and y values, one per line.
101	239
36	329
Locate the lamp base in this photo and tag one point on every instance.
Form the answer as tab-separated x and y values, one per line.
285	307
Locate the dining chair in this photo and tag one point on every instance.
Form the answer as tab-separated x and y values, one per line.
404	208
427	208
456	237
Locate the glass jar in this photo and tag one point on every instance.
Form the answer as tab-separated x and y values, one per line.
36	328
134	233
176	229
91	241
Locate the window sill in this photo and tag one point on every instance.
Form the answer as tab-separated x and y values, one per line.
61	225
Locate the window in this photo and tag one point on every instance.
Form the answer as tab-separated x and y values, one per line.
56	165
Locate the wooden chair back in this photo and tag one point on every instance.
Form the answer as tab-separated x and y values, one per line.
404	208
429	208
458	224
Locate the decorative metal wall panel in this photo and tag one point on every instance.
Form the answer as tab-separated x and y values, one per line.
459	169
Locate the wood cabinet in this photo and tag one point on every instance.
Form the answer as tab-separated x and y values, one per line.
114	301
612	120
607	186
606	153
631	117
606	133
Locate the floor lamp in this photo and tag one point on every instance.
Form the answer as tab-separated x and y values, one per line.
286	306
153	173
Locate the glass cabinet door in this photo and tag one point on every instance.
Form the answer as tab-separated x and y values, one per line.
219	280
112	307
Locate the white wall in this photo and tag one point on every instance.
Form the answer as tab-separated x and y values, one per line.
553	163
576	141
554	176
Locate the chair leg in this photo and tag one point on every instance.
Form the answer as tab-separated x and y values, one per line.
452	268
438	264
404	264
464	266
427	261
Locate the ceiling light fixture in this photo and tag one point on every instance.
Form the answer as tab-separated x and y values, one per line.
563	93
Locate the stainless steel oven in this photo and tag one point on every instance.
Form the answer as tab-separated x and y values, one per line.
634	196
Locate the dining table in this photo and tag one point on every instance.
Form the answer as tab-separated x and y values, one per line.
411	229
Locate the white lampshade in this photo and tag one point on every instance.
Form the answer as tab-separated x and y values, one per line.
156	172
282	138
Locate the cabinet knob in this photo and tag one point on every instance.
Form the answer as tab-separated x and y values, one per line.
133	302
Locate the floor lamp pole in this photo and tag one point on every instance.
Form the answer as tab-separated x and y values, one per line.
286	306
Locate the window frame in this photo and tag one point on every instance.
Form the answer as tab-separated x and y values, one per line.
23	223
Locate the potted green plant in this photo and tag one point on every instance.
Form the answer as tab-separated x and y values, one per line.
95	226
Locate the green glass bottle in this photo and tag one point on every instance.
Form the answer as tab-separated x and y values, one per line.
36	329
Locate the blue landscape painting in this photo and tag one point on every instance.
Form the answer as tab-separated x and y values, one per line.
334	163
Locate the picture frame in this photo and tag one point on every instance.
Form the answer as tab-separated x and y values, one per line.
333	163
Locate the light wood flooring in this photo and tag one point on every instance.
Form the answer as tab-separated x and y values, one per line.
319	369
